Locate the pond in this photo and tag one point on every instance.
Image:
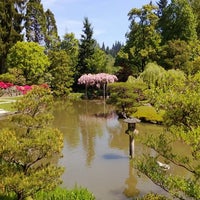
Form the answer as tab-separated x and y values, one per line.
96	151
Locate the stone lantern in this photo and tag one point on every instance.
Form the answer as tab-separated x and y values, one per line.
131	131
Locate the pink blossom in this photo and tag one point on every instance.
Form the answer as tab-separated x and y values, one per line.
5	85
97	79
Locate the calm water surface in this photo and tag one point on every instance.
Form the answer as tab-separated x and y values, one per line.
95	153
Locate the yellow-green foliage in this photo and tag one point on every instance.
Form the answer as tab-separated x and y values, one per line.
28	148
149	113
152	196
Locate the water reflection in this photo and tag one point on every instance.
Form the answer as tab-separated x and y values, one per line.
131	183
96	151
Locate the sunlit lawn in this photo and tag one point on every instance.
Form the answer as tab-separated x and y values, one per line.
6	103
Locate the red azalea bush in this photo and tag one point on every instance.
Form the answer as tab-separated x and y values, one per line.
11	89
5	85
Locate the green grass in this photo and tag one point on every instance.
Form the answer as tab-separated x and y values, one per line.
7	106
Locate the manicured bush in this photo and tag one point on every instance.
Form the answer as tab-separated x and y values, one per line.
149	114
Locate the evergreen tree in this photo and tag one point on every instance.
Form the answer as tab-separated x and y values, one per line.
61	72
35	22
71	46
51	38
116	47
86	49
103	47
11	18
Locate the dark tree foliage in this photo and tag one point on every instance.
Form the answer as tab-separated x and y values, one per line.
113	51
11	18
35	22
86	49
178	22
162	4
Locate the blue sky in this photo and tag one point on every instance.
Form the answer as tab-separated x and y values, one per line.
108	17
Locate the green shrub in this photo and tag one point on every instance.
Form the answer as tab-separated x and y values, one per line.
58	194
63	194
152	196
148	113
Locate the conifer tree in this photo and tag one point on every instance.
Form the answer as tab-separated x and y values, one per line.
11	18
86	48
51	38
35	24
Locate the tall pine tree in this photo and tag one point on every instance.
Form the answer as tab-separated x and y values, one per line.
51	38
86	49
35	22
11	18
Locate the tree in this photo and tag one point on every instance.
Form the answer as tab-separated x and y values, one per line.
99	80
61	71
143	40
86	49
126	96
11	18
181	104
51	37
71	46
152	75
162	4
35	23
28	148
176	54
178	22
30	58
97	61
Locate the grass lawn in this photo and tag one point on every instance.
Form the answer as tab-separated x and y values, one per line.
6	103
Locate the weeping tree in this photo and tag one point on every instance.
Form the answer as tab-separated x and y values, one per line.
98	80
29	150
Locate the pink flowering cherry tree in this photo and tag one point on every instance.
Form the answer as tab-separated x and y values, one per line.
101	79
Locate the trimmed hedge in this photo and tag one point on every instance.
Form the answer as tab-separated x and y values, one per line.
149	114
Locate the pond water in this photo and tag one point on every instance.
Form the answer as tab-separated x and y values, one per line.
96	151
